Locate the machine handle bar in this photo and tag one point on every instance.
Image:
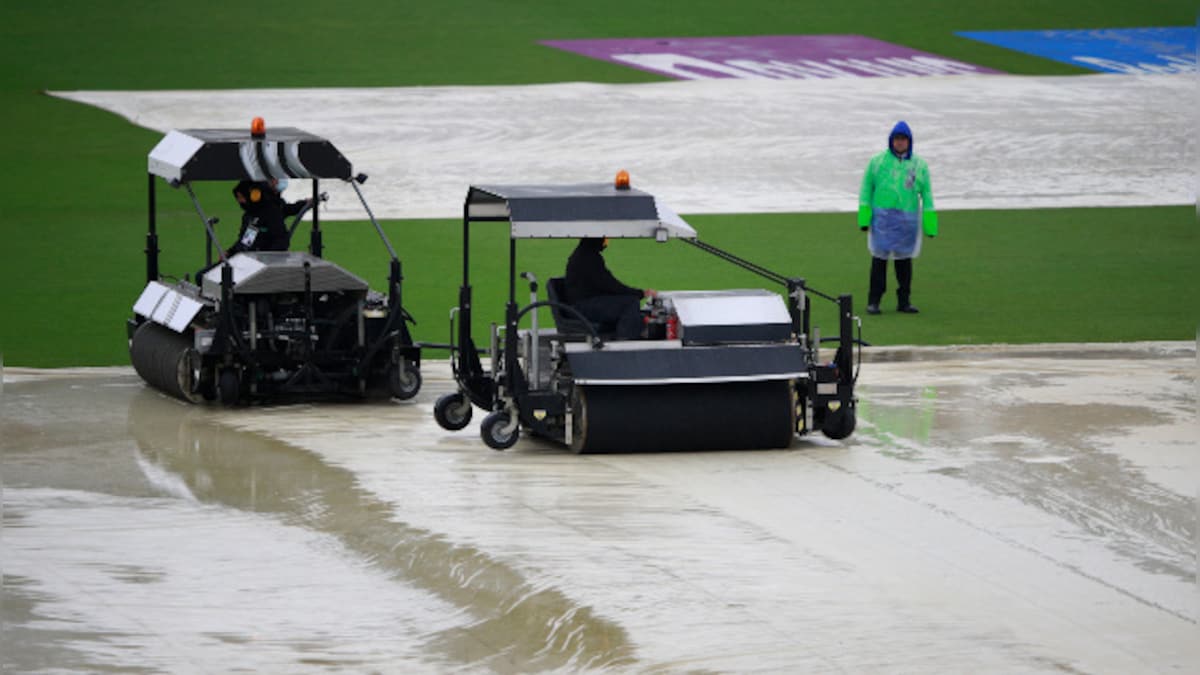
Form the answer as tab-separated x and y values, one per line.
751	267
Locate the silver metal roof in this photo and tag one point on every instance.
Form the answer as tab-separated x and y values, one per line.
234	154
573	211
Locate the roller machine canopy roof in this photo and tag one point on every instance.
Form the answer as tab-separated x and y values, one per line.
573	211
186	155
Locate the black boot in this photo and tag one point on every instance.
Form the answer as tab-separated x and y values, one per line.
904	286
878	284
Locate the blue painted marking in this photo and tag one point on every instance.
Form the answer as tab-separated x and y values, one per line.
1115	50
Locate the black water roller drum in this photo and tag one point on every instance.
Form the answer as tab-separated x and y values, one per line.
163	358
722	416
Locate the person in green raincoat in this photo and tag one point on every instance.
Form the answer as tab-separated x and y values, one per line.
896	196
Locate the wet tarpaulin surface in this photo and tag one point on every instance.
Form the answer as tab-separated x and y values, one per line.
999	510
732	146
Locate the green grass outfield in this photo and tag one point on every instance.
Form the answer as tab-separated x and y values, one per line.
73	213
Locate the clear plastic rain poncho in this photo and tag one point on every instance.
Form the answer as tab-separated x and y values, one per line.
896	194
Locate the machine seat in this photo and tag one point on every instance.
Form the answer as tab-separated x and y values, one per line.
567	324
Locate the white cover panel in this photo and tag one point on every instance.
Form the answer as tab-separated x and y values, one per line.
243	266
167	306
728	308
176	311
171	154
149	299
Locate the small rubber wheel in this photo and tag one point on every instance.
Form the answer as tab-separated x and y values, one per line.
840	423
189	376
492	430
452	411
208	385
229	387
404	380
578	443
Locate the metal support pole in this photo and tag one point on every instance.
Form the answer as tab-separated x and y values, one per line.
845	355
394	279
225	310
208	223
371	215
800	309
510	322
512	271
465	361
315	245
535	351
466	232
806	314
152	234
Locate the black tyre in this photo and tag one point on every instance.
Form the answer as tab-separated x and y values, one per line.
840	423
452	411
492	430
229	387
208	385
578	443
404	380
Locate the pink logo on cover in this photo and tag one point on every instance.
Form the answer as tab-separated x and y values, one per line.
772	57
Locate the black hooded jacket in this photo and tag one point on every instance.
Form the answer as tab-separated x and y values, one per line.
588	276
266	213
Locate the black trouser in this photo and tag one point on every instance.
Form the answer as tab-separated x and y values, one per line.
620	313
879	280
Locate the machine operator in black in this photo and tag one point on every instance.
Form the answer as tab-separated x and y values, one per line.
593	290
263	213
